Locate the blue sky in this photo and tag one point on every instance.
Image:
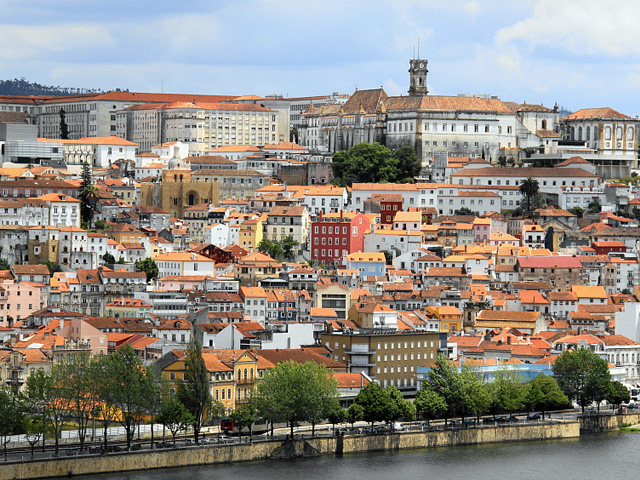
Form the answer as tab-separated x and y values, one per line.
578	53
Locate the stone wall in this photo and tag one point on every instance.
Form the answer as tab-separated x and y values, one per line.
62	467
606	423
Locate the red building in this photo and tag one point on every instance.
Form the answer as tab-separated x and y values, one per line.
606	247
390	204
335	235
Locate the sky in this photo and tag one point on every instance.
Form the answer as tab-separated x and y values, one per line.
577	53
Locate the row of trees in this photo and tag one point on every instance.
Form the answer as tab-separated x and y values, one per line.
116	388
374	163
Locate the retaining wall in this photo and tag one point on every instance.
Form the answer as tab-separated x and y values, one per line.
144	460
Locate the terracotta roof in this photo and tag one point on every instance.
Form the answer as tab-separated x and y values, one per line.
523	172
600	113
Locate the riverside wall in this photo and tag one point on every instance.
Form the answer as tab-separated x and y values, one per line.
209	455
607	423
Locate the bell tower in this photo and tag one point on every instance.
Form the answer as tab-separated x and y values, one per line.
418	77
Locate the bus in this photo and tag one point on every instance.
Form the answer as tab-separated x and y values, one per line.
227	426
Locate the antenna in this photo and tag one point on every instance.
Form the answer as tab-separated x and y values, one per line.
162	85
418	47
414	52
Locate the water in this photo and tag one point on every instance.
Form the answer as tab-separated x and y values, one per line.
602	457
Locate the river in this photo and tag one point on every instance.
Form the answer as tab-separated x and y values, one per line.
602	457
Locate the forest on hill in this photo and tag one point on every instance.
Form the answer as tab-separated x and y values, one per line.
20	86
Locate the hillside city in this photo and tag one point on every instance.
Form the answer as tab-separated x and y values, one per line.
364	232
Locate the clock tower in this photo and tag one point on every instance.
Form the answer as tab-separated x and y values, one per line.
418	77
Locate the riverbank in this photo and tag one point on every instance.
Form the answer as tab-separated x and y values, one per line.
266	449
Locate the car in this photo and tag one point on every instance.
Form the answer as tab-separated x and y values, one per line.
632	406
502	419
209	440
164	445
398	427
95	449
533	416
190	441
136	447
225	439
469	422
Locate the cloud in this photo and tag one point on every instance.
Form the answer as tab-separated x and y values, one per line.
472	8
25	42
580	27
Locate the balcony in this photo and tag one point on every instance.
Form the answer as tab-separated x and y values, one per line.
360	352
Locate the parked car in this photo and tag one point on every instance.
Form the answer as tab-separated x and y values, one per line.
190	441
164	445
136	447
209	440
225	439
533	416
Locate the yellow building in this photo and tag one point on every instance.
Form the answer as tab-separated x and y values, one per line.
250	234
232	374
450	318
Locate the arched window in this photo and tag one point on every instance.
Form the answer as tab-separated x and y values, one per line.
619	133
607	133
579	134
544	124
245	373
588	137
630	134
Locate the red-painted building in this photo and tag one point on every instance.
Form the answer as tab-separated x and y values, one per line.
606	247
335	235
390	204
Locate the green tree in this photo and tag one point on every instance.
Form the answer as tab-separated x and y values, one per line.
108	258
195	392
374	163
430	404
465	211
583	376
388	256
64	128
617	393
577	211
149	267
336	415
295	392
595	207
34	427
543	393
99	225
355	413
408	164
402	408
476	395
53	267
175	416
446	381
288	247
244	417
128	385
376	403
529	189
507	390
271	248
47	389
88	194
11	416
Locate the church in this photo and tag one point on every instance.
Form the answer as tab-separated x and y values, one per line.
463	125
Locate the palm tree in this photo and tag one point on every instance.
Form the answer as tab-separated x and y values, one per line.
529	190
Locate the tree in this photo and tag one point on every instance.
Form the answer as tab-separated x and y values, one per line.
149	267
175	416
465	211
108	258
430	404
45	390
476	398
244	417
445	380
543	393
583	376
64	128
53	267
577	211
88	194
271	248
507	391
617	393
355	413
376	403
594	206
402	408
288	247
33	426
374	163
128	385
11	416
336	415
195	392
388	256
408	164
529	189
295	392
